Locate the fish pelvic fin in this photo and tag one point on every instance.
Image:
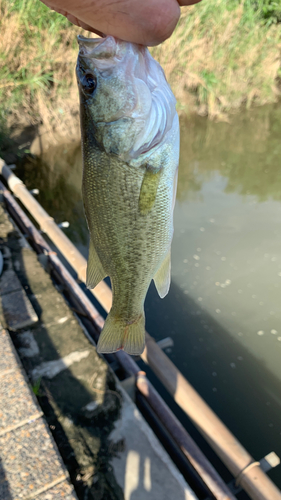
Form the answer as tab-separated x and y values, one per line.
95	272
117	335
162	278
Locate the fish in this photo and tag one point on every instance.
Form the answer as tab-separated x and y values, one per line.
130	150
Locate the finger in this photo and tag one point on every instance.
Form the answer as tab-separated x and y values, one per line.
143	22
72	19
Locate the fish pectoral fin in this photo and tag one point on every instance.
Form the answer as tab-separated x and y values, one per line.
117	335
95	271
148	190
162	278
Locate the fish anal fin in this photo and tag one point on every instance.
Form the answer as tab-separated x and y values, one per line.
117	335
148	190
95	271
162	278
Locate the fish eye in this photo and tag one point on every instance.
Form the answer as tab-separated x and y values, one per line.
89	83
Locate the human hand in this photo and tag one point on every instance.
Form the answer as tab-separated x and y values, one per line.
148	22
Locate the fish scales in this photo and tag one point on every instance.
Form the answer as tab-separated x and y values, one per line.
129	243
128	196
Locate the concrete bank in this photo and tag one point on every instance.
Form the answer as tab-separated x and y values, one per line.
107	447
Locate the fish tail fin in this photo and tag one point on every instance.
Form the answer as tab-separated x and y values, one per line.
117	334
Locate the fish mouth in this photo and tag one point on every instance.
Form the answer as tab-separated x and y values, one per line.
82	38
97	48
87	45
83	41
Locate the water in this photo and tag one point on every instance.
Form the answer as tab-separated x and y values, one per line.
223	310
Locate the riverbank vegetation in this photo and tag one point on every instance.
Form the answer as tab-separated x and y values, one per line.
223	55
38	49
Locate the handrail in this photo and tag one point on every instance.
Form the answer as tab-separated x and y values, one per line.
236	458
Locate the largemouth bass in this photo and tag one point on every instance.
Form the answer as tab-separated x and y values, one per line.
130	146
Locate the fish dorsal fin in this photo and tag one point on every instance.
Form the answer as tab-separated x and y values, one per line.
95	271
162	278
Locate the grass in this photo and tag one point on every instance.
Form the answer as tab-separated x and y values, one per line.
36	387
224	54
37	59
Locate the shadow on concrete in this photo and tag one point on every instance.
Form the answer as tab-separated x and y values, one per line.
5	493
83	441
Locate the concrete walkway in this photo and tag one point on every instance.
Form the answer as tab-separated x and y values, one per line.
107	448
30	463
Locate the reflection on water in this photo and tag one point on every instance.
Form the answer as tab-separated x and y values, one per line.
246	152
223	310
57	175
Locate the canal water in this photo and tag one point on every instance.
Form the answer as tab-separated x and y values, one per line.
223	310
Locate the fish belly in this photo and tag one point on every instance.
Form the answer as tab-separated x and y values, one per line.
130	243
